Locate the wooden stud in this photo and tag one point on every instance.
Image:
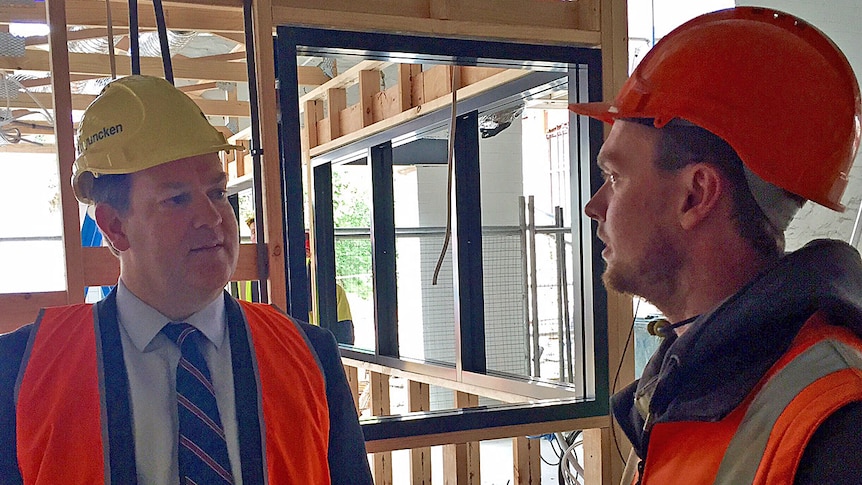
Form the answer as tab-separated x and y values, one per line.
614	34
336	101
65	136
470	75
419	399
380	406
407	73
273	214
527	461
461	460
436	83
312	113
352	374
369	85
598	448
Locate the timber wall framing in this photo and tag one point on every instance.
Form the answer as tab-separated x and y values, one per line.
591	23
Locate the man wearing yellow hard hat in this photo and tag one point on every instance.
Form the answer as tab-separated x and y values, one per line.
169	379
725	128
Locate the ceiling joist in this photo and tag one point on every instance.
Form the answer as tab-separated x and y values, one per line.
212	107
201	68
89	13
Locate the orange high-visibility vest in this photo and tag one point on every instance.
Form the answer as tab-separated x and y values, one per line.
819	374
60	404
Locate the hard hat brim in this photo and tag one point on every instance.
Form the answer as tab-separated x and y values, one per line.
82	192
601	111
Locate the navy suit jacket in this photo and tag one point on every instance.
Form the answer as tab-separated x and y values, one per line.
347	459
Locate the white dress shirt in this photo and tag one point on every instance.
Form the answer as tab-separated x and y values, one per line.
151	361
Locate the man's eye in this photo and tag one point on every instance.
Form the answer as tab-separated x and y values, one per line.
178	199
219	194
610	177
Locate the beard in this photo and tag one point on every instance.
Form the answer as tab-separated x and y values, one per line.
654	276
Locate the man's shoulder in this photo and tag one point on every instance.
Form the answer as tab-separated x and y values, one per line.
12	347
13	343
316	335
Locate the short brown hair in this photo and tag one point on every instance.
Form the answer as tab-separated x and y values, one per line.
683	144
113	190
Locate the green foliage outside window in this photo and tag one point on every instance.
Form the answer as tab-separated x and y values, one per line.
352	256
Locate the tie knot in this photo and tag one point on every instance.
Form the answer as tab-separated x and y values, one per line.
179	332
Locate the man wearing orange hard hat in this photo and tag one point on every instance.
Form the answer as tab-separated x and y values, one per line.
169	379
728	125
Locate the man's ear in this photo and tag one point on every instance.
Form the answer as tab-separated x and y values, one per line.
704	188
111	223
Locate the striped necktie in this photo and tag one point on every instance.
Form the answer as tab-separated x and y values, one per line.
202	449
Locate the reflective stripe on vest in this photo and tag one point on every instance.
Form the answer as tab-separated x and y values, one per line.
761	441
295	411
746	450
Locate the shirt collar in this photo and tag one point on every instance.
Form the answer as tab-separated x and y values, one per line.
142	322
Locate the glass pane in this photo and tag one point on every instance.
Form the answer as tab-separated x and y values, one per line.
31	245
532	274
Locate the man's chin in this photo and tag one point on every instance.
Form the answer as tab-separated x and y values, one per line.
616	281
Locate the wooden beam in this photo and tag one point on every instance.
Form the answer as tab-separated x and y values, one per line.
343	80
230	56
494	433
46	81
498	388
28	148
99	64
270	163
196	16
72	35
22	308
65	136
212	107
102	268
196	88
470	29
466	92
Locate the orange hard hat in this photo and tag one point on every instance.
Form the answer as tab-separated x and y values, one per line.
772	86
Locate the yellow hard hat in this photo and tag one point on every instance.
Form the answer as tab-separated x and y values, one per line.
138	122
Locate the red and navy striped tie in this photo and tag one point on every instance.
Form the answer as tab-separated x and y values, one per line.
202	449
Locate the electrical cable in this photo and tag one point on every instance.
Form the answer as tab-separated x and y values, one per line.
450	163
617	376
134	40
163	40
112	56
570	469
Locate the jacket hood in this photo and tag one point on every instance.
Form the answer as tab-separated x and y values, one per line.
705	373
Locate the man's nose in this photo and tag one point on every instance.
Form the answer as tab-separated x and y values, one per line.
596	206
207	213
